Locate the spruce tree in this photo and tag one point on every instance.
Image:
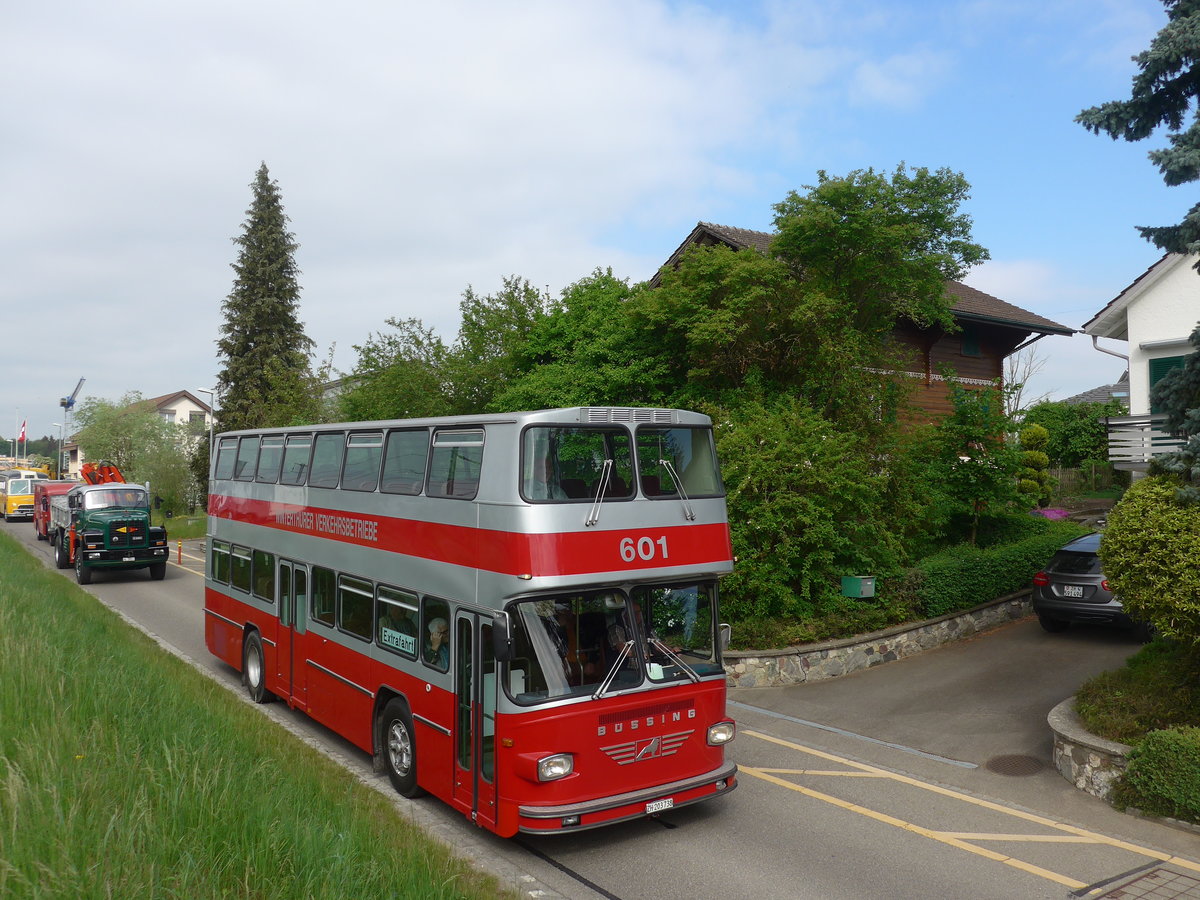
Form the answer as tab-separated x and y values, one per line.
263	347
1163	94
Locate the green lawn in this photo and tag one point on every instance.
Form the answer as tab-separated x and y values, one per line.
125	773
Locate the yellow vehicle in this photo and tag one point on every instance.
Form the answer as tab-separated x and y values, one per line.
16	497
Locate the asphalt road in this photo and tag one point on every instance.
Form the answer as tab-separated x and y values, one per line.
872	785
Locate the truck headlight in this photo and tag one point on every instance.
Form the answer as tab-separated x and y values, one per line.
552	768
721	733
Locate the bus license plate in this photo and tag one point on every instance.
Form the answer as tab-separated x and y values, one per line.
659	805
1072	590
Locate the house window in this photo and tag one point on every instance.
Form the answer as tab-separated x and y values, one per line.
1159	368
197	423
168	416
970	342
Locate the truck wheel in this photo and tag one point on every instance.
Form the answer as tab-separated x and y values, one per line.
37	534
83	574
254	673
61	560
400	749
158	570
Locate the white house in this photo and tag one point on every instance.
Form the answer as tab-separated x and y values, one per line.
1154	317
179	408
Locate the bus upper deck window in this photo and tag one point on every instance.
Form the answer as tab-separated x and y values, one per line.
404	461
247	457
456	460
226	456
269	458
295	459
678	461
566	463
361	470
327	459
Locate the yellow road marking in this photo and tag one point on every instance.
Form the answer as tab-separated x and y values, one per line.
1079	835
821	772
917	829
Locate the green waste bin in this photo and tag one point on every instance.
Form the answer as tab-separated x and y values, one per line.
858	585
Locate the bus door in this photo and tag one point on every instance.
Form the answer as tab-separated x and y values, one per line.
475	718
293	604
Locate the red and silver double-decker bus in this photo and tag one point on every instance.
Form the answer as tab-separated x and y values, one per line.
516	613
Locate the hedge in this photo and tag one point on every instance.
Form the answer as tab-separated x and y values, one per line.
965	576
1163	775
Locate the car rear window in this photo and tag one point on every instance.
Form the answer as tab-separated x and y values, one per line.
1067	562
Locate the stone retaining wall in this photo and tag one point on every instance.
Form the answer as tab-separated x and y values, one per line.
1089	762
829	659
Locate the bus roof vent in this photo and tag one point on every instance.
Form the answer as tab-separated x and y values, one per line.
626	414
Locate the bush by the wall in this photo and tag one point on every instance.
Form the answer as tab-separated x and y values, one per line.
965	576
1163	776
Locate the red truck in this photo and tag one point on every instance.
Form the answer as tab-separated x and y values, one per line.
42	492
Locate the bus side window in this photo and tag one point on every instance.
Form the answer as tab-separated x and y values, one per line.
363	452
240	569
220	562
295	458
263	567
396	612
327	459
226	455
404	462
247	458
324	588
435	635
354	606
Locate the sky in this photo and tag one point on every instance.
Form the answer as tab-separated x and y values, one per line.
424	148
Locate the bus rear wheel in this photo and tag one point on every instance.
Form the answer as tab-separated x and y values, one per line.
254	673
400	749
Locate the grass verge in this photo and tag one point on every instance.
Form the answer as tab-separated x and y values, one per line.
1158	687
125	773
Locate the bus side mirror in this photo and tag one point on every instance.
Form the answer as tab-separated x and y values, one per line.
724	633
501	642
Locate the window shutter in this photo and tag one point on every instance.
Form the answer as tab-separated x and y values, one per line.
1159	368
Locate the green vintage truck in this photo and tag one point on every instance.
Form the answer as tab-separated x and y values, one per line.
106	526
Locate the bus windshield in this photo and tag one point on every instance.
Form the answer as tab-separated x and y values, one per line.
572	645
565	463
678	462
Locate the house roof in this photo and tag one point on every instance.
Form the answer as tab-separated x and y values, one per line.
1105	392
1112	321
969	304
168	399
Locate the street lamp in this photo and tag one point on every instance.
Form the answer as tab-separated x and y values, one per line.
58	463
212	403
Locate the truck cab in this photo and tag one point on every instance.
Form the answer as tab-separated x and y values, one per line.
106	526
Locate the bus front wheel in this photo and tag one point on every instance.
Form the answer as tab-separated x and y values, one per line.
254	673
400	749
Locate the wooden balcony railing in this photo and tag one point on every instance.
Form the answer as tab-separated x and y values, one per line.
1134	440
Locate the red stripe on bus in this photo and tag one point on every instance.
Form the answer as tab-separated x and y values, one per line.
508	553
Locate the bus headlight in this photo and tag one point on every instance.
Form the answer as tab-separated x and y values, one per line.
551	768
721	733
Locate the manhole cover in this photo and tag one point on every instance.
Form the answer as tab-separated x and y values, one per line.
1015	764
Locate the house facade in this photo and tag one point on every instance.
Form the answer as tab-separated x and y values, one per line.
180	408
991	329
1153	317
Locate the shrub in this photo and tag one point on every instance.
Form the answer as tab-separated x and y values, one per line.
1149	551
965	576
1163	776
1158	687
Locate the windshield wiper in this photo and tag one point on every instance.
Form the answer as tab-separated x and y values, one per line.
674	657
605	475
612	672
687	506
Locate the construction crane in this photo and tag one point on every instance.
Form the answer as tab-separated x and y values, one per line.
68	403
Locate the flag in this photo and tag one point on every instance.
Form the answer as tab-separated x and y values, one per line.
22	437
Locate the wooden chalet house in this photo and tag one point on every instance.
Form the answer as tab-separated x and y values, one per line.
992	329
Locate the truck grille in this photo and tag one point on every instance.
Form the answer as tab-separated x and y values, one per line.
127	534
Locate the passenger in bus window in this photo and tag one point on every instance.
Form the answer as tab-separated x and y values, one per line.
437	646
396	629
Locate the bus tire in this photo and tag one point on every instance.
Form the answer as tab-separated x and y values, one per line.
254	669
83	574
400	749
158	571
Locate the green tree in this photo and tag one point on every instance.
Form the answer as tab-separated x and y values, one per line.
132	435
400	374
1077	431
1162	94
1035	482
265	378
973	464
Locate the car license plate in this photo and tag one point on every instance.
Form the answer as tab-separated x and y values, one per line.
659	805
1072	590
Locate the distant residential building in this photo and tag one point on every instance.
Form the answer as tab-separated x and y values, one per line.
1105	392
1154	317
180	408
